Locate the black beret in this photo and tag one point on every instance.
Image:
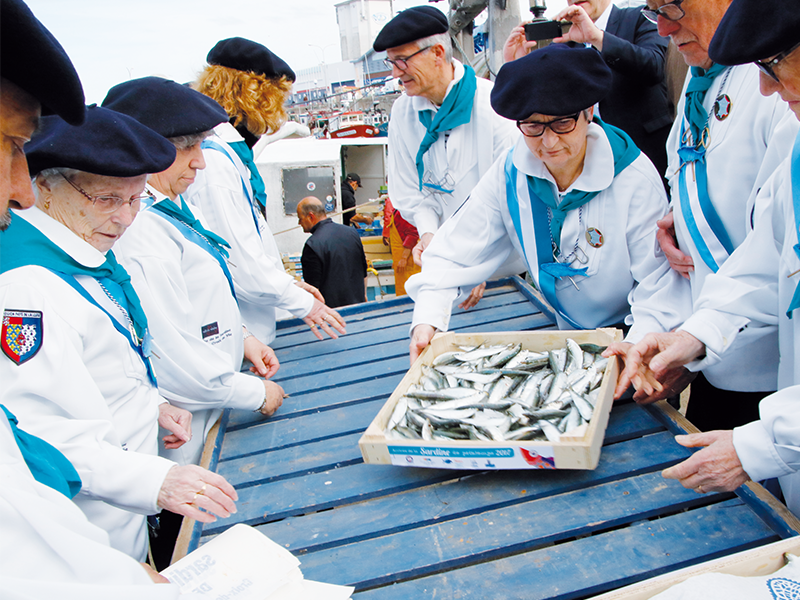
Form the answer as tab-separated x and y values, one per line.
556	80
753	30
411	25
166	107
244	55
32	58
108	143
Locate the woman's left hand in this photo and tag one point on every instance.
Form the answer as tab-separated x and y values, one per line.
265	363
178	422
188	488
327	319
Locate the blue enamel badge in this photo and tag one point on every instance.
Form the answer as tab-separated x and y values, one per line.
21	335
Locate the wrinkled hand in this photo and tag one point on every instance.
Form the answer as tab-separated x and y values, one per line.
670	383
153	574
274	398
474	296
178	422
188	488
680	262
327	319
424	242
420	338
311	290
265	363
649	361
715	468
516	45
583	29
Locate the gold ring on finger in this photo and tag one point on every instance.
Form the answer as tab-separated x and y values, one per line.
700	489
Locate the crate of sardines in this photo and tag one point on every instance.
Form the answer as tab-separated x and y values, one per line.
515	400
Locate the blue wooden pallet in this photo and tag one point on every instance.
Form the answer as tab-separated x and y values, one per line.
398	532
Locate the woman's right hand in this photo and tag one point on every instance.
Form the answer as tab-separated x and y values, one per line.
273	399
188	488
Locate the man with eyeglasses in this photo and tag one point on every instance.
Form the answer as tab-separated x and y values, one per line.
757	284
723	146
443	133
575	198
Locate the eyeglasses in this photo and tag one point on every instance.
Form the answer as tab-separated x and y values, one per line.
402	63
559	126
671	11
768	66
110	204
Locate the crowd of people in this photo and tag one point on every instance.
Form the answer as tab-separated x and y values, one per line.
139	281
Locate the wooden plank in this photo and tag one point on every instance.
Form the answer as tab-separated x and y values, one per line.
475	491
598	563
490	534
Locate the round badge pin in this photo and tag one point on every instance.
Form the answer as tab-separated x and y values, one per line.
594	236
722	107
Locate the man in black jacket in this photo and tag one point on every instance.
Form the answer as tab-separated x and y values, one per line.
349	186
631	46
333	257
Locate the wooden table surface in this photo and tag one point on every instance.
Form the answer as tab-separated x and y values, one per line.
400	532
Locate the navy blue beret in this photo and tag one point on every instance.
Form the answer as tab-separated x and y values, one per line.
556	80
166	107
245	55
411	25
32	58
753	30
108	143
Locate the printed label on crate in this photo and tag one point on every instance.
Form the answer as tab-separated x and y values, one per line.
482	458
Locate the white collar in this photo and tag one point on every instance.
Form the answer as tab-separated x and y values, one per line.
602	20
227	133
598	166
63	237
419	103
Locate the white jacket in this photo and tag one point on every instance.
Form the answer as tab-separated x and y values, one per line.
481	236
87	393
195	323
744	150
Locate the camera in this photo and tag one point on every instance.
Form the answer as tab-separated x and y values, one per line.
541	29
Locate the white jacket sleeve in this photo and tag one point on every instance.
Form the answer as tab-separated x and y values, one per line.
192	373
258	276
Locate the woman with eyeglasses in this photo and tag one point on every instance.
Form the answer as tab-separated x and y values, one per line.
574	197
76	347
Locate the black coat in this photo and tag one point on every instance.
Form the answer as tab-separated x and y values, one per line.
348	201
334	262
638	102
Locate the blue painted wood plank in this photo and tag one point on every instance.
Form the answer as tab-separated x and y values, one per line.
359	482
301	403
595	564
625	422
395	328
491	534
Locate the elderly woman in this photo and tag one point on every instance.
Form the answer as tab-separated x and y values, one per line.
252	84
180	272
76	366
574	197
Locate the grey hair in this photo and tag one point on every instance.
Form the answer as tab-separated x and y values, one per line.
182	142
315	208
442	39
53	175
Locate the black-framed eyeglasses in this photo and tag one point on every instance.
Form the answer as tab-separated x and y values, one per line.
558	126
768	66
108	204
402	63
671	11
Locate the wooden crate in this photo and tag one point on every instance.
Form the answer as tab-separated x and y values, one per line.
569	453
750	563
